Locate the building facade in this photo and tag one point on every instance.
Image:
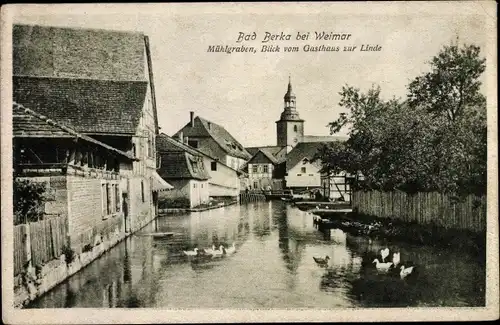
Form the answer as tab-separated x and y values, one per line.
265	169
100	83
214	141
82	176
223	181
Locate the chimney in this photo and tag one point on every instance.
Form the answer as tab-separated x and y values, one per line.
180	136
192	118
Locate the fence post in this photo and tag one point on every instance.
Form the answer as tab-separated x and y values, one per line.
27	243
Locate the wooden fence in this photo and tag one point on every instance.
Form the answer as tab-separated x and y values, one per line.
46	237
424	208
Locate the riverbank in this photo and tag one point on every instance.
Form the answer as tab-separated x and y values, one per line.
35	282
196	209
393	229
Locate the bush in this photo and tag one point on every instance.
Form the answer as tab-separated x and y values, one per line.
69	254
29	201
174	203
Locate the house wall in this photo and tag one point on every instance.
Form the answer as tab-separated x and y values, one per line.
329	189
194	190
234	162
297	178
224	181
88	209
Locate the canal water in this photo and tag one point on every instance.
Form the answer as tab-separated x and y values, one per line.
272	267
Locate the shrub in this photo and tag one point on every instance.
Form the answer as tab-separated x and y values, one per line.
69	254
174	203
29	201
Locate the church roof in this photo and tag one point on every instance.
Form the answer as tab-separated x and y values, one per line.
321	138
289	93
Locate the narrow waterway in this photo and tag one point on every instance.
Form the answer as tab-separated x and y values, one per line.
272	267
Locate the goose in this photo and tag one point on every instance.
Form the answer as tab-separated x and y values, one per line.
384	253
405	271
382	267
218	252
209	250
321	261
396	258
231	250
194	252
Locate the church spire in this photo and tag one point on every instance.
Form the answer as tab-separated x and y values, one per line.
289	94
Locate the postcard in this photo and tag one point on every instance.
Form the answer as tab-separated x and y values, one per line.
249	162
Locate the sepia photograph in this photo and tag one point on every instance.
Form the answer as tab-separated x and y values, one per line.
249	162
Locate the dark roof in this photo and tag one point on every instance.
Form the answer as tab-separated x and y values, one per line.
205	128
91	106
277	151
62	52
321	138
93	79
166	143
28	123
300	151
181	165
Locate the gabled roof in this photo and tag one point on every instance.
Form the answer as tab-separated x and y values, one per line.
28	123
166	143
181	165
277	152
63	52
91	106
95	80
205	128
300	151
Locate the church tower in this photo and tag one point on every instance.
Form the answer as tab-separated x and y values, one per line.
289	128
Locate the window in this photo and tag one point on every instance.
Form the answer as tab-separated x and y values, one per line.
104	200
303	170
255	185
254	169
201	185
295	129
193	143
194	185
142	192
213	165
311	175
299	174
117	198
265	169
108	199
134	150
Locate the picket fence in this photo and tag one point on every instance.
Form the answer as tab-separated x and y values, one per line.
424	208
46	237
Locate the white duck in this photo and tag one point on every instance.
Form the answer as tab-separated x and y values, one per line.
382	267
396	258
219	252
405	271
384	253
231	250
194	252
209	250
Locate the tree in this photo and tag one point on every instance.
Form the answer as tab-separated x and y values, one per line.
28	200
433	141
452	86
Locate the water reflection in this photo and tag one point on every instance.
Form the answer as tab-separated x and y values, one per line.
273	267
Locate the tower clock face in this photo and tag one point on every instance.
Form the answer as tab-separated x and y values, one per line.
295	140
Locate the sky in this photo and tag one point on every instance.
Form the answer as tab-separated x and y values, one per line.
244	91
